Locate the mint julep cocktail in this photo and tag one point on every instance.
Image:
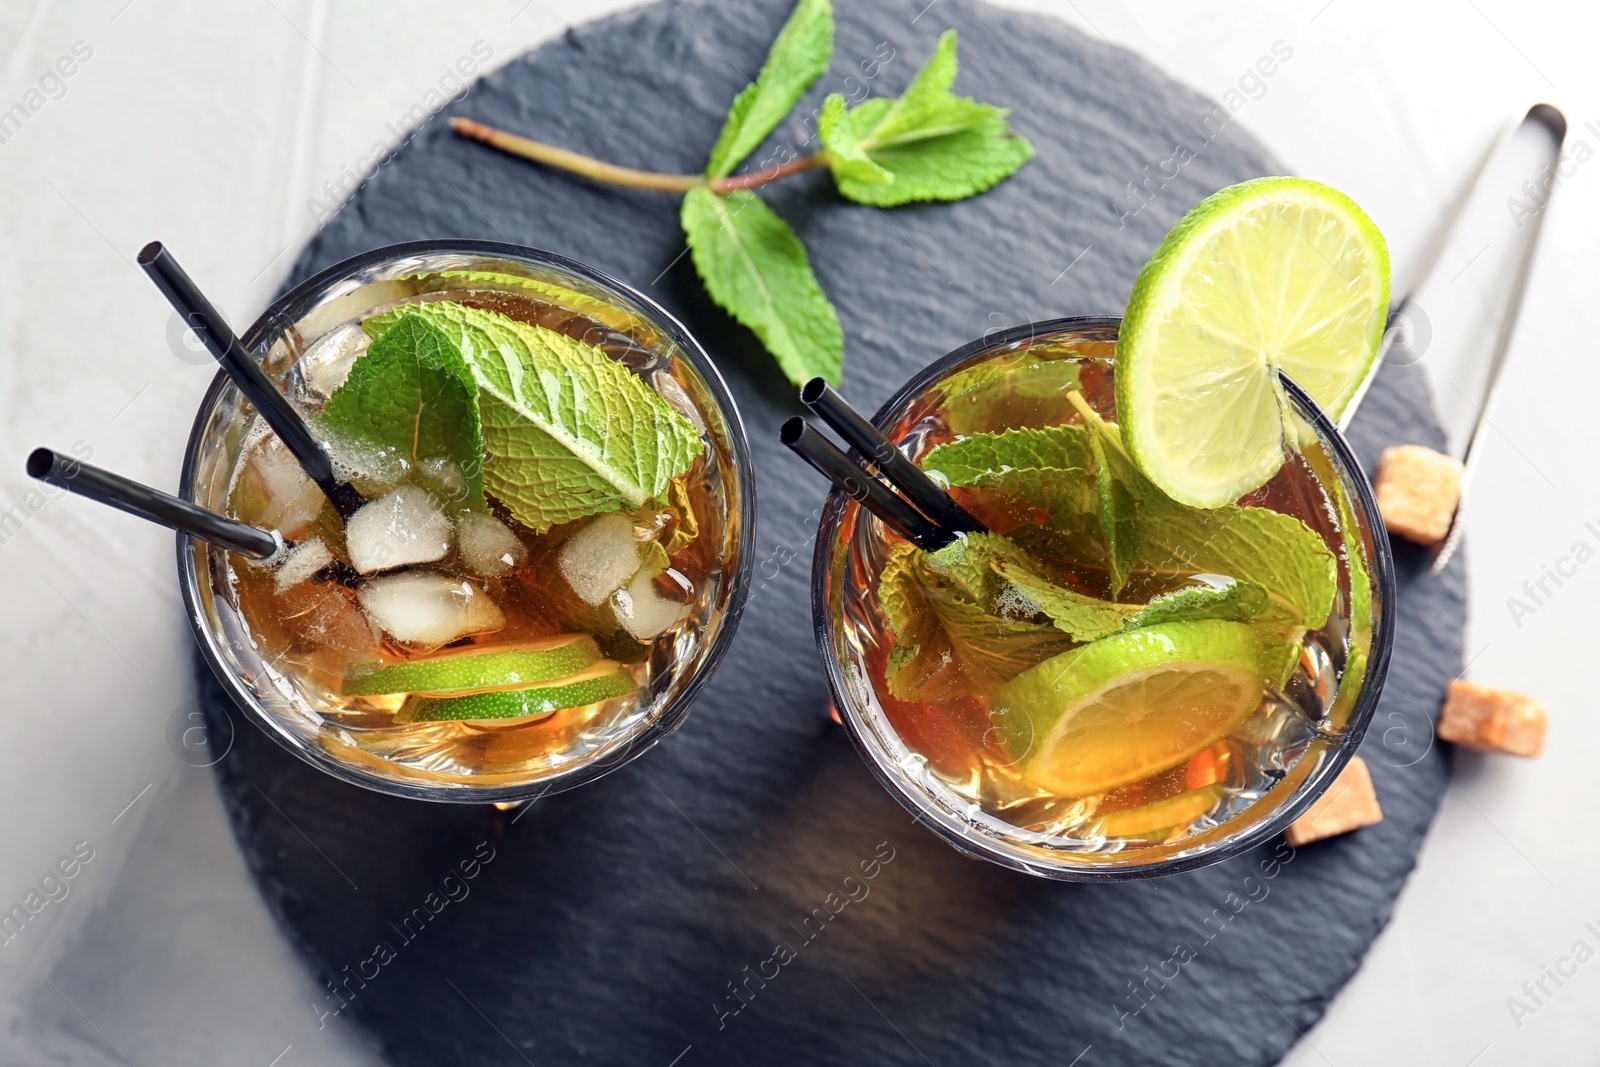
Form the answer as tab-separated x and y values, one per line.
544	568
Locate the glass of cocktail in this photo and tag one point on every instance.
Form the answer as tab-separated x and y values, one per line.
1051	698
551	547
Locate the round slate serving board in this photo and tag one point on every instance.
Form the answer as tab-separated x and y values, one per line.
614	924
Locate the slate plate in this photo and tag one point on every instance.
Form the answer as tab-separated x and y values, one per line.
613	924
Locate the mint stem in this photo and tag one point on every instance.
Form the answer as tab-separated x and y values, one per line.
758	178
587	166
1093	419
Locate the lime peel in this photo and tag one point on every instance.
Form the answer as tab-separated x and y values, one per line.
478	668
602	681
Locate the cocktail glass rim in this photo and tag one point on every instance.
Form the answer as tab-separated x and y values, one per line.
1032	861
287	309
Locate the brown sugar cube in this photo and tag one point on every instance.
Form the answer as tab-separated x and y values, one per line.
1349	804
1493	720
1418	490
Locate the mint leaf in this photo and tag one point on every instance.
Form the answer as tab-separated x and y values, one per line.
1234	601
1275	551
1017	390
569	431
981	456
967	565
1049	470
797	58
411	391
933	144
973	562
601	311
1056	470
846	157
944	643
927	108
948	167
1085	618
1124	492
1117	511
971	565
756	269
1358	642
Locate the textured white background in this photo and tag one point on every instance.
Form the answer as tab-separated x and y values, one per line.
213	125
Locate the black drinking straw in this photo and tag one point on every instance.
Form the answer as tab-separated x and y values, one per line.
862	487
209	325
164	509
900	472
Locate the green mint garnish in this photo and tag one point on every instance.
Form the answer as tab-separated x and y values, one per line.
968	564
1278	552
1085	618
1011	391
1236	601
946	642
1118	508
928	145
601	311
993	572
847	157
1048	470
1124	492
1089	618
569	432
797	58
411	391
983	457
756	269
975	614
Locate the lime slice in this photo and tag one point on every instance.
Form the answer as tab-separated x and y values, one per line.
1129	706
601	681
1272	274
1162	815
507	667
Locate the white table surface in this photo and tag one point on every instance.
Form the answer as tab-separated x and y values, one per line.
213	126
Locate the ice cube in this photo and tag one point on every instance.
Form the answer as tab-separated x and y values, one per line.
325	618
600	558
642	611
396	530
327	362
372	469
292	499
302	562
443	478
488	546
427	609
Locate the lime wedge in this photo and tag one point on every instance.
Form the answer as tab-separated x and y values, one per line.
507	667
1272	274
1125	707
601	681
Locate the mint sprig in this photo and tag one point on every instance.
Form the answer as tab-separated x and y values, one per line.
569	431
1143	533
928	144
